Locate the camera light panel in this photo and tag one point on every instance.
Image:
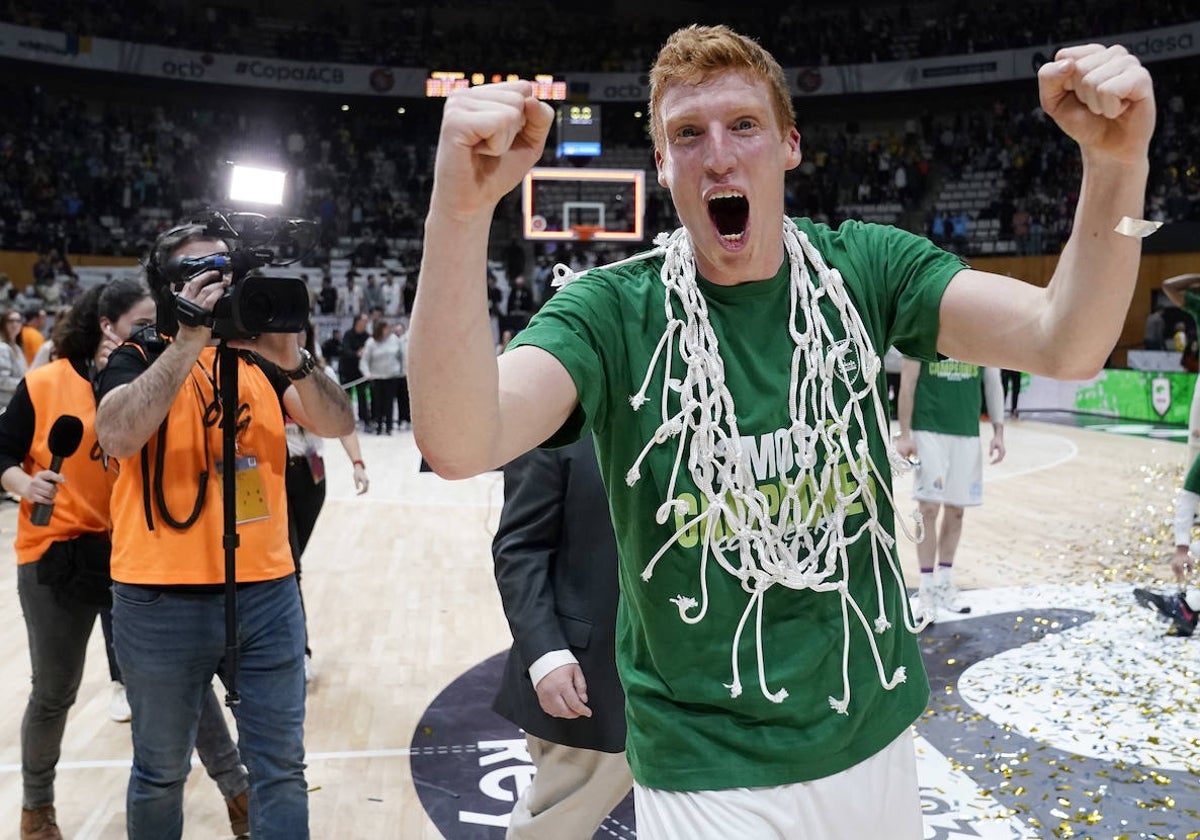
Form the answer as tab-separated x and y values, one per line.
256	185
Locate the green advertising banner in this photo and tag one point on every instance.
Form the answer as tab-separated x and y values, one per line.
1154	396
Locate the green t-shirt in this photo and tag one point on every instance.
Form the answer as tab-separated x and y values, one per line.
948	398
686	730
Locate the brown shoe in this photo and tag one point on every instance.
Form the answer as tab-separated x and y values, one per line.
39	824
239	815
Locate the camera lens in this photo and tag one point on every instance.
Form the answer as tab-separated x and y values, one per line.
270	305
258	307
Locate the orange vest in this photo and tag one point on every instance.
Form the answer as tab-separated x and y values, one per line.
32	341
166	556
81	506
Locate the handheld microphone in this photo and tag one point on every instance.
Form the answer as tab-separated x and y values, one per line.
64	438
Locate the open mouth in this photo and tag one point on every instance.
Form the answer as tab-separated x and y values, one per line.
730	212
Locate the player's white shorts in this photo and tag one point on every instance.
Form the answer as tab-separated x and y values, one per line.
951	469
876	798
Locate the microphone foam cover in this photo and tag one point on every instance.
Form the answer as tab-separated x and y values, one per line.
65	436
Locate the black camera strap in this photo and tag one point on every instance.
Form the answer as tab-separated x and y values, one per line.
156	484
153	497
160	498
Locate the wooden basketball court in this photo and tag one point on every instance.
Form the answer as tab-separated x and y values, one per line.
401	601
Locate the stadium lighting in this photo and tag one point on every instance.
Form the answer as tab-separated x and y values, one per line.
255	185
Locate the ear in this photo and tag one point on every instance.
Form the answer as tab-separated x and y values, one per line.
792	139
658	163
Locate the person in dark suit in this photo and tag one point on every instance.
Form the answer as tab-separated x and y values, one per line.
556	567
350	366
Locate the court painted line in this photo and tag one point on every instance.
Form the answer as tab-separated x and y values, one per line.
1049	465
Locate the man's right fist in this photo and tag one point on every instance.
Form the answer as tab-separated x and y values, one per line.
490	138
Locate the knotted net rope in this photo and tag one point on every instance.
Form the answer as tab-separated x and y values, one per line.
803	544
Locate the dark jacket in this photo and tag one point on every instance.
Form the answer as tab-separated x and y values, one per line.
556	567
349	363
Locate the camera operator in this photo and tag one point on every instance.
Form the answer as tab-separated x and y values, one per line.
167	556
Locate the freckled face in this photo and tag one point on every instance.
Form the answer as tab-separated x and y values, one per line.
723	159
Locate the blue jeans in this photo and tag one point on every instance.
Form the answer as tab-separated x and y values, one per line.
169	646
216	749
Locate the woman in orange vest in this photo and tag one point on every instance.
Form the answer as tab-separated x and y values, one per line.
62	572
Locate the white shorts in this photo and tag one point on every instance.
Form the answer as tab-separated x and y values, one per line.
951	470
878	797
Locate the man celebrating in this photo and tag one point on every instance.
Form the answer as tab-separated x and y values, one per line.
168	558
764	640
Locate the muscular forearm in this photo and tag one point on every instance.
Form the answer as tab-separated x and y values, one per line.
491	136
129	414
327	410
452	373
350	444
1090	291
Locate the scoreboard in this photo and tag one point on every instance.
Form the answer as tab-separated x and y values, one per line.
578	130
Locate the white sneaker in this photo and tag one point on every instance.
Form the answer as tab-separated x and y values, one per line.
950	599
927	603
309	673
118	707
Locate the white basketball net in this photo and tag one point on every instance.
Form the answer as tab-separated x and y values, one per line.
804	545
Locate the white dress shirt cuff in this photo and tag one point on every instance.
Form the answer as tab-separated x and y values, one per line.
547	662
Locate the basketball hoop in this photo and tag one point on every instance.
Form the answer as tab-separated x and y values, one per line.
584	233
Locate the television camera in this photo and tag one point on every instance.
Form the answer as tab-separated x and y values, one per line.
254	303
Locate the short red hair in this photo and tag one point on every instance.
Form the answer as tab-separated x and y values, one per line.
694	53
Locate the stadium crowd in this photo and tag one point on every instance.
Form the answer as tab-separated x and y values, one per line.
535	35
96	175
86	170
